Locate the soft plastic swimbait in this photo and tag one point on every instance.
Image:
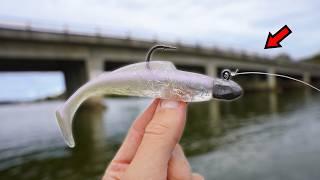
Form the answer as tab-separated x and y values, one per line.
155	79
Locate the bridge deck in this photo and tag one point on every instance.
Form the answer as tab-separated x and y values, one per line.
82	57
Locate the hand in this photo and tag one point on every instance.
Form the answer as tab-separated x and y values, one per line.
151	150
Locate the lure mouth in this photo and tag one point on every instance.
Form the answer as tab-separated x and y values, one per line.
226	90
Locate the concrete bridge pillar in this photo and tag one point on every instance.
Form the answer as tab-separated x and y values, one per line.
75	76
88	129
94	66
79	72
306	77
211	69
307	90
272	81
215	117
273	102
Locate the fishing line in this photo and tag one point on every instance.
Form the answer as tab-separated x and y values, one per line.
227	74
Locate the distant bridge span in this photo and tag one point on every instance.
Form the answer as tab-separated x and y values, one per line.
82	57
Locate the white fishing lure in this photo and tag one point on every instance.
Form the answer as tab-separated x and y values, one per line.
156	79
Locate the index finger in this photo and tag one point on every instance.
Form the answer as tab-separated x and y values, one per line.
134	137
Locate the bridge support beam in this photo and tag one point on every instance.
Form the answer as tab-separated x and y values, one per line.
78	73
89	132
272	81
306	77
211	69
273	102
307	91
215	117
94	66
75	76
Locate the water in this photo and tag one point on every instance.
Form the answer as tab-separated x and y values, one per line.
260	136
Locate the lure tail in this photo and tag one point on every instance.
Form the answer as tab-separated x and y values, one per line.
65	124
128	80
66	111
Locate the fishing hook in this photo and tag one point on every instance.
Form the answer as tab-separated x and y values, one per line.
150	52
154	48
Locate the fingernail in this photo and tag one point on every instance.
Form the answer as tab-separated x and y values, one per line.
169	104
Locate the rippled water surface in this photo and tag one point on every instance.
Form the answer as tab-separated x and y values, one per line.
260	136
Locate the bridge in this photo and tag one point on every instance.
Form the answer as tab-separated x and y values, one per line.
82	57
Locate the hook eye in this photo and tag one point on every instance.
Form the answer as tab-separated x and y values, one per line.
226	74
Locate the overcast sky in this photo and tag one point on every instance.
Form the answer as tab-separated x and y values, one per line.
237	24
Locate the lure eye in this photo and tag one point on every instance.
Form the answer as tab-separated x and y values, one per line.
226	74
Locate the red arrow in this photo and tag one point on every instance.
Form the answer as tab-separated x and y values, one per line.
273	41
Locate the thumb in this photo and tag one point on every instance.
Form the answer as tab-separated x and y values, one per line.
161	135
